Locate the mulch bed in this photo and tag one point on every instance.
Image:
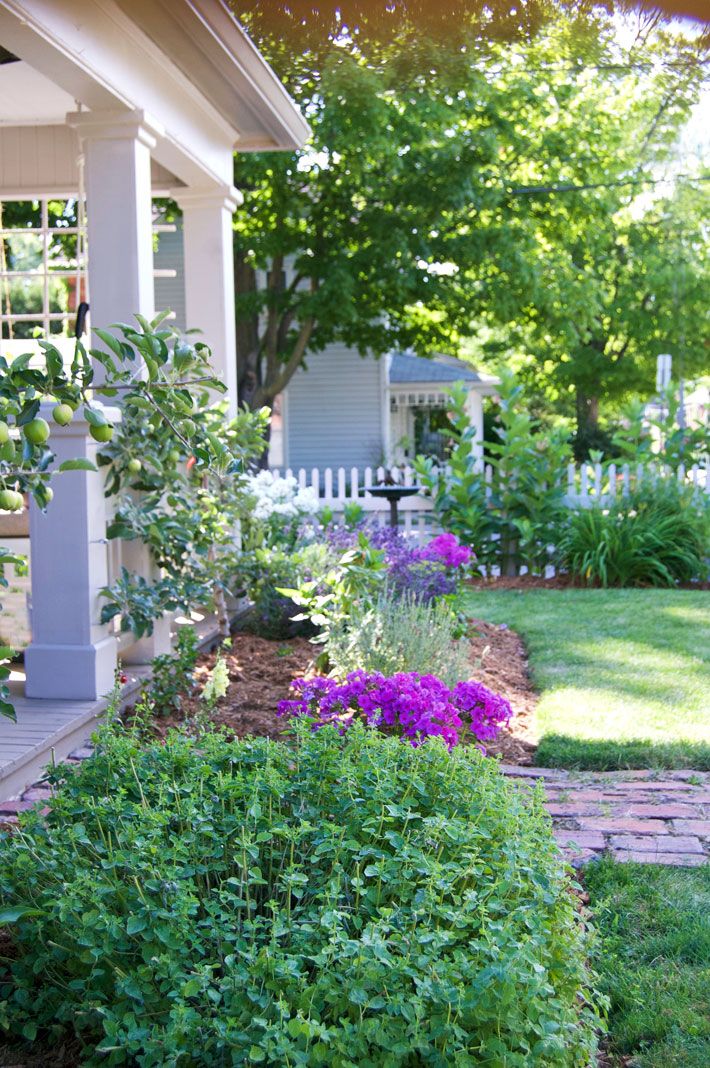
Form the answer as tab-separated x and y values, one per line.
261	672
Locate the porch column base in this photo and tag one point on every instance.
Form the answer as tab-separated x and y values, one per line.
156	644
71	672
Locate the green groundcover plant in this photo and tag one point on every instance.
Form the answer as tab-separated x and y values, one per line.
343	901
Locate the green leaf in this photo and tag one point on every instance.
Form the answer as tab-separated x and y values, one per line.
77	465
136	924
19	912
94	417
110	341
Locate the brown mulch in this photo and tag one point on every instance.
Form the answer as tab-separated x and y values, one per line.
501	663
261	672
526	582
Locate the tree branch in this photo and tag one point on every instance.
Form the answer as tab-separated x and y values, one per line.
276	384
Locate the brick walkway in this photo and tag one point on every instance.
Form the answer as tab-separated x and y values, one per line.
652	817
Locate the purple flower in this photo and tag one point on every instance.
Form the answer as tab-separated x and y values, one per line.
448	549
426	574
414	707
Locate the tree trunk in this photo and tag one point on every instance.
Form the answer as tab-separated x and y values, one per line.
247	333
587	436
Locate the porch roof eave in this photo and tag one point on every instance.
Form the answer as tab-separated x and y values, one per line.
203	95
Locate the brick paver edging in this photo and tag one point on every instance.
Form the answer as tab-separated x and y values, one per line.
653	817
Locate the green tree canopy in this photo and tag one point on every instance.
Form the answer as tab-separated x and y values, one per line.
441	187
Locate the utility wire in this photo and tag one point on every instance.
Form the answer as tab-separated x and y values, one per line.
525	190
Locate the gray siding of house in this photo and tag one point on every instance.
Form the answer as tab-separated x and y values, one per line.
170	292
333	413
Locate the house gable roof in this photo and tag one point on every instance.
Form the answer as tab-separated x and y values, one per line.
406	368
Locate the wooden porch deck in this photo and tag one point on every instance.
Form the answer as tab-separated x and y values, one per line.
48	730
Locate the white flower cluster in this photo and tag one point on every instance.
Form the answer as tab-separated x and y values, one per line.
277	495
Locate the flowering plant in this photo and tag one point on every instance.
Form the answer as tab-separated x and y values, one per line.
413	706
426	573
279	495
274	506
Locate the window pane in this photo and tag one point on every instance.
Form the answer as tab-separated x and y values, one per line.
62	294
62	249
61	213
23	296
20	213
23	252
62	327
22	330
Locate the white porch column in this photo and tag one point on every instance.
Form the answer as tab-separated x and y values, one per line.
209	275
71	655
116	148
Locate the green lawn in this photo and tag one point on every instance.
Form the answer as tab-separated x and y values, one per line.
653	959
623	675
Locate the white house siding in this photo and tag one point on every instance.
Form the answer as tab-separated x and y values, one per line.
333	411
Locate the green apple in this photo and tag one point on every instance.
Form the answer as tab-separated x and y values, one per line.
63	414
101	433
134	466
36	431
4	433
11	500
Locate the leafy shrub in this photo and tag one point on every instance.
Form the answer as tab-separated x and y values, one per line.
173	674
264	573
514	518
347	901
328	597
657	536
400	634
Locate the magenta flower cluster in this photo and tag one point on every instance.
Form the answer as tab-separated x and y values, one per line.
415	707
448	550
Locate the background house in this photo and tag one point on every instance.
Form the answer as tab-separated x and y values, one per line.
342	409
345	410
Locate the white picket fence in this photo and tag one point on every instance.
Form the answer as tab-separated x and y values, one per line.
586	484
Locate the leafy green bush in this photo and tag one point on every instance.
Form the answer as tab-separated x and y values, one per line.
513	518
173	674
342	901
657	536
263	573
400	633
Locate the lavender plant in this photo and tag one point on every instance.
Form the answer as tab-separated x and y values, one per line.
400	633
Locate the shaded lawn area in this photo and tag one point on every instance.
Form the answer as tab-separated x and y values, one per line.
653	959
623	675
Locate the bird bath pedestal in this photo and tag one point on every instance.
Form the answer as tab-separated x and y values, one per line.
394	494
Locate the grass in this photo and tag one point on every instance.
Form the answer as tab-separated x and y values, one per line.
623	675
653	960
